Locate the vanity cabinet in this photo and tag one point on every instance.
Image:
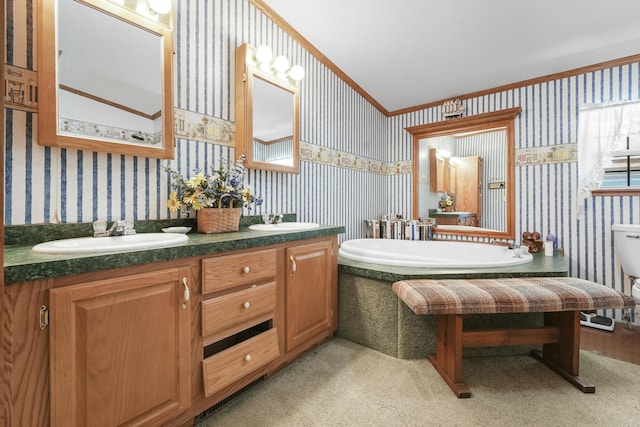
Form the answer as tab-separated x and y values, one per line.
128	346
309	294
238	309
120	350
456	218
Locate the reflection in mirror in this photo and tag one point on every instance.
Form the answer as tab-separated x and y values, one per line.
110	89
267	115
464	173
465	164
272	123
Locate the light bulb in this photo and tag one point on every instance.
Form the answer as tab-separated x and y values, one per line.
160	6
280	64
264	54
296	73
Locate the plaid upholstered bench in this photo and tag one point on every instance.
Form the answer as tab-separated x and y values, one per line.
560	298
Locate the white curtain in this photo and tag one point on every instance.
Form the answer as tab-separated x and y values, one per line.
602	129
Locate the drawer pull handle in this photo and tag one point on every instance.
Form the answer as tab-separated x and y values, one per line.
246	305
247	358
294	267
246	270
186	294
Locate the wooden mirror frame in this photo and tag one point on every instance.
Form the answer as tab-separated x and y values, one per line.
48	84
498	119
245	73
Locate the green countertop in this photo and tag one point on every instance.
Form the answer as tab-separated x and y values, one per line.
21	264
555	266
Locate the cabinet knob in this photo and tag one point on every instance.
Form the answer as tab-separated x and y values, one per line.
246	270
247	358
246	305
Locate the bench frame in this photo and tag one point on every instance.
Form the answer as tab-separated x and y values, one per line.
560	337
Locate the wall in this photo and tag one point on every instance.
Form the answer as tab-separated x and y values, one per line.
56	185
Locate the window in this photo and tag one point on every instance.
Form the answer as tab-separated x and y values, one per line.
608	150
624	170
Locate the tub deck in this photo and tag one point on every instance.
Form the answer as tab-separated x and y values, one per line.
370	314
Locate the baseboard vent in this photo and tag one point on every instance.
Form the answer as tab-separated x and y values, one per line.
214	408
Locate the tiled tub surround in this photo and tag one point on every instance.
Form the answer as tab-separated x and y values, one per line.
370	314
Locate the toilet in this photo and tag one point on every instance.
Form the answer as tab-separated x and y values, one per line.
626	239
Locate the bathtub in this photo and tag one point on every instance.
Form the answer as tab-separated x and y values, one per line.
432	253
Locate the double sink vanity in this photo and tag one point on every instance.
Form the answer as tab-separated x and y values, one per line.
156	336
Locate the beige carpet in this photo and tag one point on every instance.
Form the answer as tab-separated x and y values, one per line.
344	384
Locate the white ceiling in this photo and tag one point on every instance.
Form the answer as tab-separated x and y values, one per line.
405	53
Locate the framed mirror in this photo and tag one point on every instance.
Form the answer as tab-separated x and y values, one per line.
267	116
105	78
463	174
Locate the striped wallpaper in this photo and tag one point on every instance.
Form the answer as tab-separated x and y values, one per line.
273	152
58	185
492	148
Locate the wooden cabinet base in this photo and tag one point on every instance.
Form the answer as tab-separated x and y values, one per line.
124	347
120	337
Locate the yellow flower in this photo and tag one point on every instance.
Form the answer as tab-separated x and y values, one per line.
197	180
192	199
173	203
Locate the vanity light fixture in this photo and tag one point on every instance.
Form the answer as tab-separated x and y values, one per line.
296	73
442	154
160	6
263	55
281	64
278	66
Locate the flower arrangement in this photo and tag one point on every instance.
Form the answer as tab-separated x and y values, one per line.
447	200
222	188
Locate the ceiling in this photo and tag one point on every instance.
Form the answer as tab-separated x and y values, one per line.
405	53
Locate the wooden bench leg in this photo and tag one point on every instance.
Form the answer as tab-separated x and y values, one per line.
564	356
448	357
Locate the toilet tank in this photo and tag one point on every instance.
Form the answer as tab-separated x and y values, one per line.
626	240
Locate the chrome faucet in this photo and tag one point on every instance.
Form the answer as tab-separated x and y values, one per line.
272	219
118	228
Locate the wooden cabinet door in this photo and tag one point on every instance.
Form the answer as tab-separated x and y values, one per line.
308	292
120	350
469	189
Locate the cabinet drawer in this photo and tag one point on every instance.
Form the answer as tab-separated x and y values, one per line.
238	310
232	270
222	369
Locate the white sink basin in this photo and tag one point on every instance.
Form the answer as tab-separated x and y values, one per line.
89	245
284	226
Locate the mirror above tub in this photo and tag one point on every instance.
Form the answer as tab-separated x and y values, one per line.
105	76
267	110
468	164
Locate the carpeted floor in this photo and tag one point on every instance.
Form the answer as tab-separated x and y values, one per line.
344	384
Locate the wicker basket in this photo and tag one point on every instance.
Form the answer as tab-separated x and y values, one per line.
218	220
